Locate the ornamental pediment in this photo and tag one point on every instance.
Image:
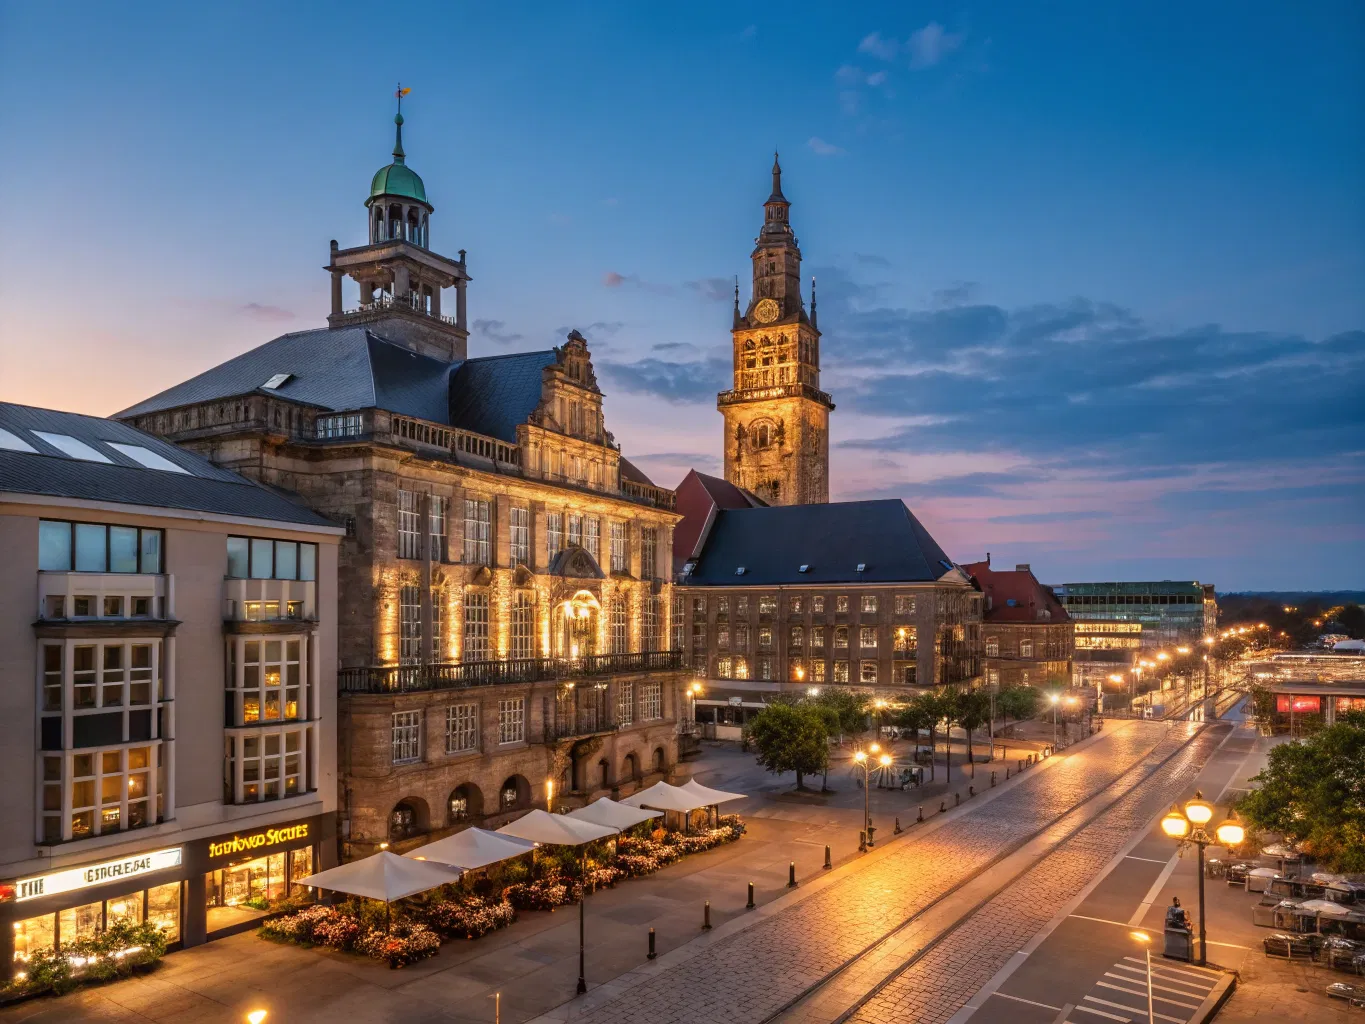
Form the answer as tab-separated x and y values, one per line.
575	562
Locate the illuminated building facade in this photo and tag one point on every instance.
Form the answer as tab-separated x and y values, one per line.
1169	612
169	667
504	573
776	416
856	594
1027	637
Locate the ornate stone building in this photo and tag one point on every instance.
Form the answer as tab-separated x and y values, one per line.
776	416
504	597
1027	635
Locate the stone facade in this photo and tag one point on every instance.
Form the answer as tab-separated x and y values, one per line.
524	560
883	639
1028	637
776	417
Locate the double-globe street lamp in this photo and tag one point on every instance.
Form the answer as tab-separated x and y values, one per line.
1187	826
863	759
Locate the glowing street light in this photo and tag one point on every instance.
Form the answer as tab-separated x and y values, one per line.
256	1016
1187	826
1146	941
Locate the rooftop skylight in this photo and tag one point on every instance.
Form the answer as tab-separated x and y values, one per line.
146	457
76	449
279	380
14	443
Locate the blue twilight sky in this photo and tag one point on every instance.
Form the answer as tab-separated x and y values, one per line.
1091	275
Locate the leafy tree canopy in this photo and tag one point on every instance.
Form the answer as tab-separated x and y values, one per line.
1019	702
1313	793
791	738
846	709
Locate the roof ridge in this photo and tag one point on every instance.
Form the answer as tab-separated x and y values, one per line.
509	355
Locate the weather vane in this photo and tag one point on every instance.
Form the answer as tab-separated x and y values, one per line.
399	94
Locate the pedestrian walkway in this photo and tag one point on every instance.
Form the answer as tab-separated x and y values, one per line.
752	974
1121	994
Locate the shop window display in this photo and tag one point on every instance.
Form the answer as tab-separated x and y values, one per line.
244	892
159	906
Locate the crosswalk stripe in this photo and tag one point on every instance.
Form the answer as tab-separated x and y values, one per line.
1142	977
1155	988
1136	1009
1209	976
1102	1013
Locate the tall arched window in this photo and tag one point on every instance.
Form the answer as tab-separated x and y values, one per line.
762	434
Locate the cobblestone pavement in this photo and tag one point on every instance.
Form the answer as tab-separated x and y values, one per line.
754	973
945	977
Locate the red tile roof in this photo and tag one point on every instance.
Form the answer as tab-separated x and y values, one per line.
1001	586
697	495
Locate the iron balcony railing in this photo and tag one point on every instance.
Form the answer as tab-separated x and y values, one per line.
413	678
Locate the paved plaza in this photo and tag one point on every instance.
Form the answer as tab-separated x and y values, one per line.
974	883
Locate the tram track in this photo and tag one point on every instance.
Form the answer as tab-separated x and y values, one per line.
1111	794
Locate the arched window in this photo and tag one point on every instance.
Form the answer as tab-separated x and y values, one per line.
514	793
660	759
762	435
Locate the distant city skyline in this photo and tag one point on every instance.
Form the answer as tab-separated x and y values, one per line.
1089	286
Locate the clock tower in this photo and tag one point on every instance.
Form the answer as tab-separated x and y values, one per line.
776	416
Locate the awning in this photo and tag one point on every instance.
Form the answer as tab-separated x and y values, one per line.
540	826
1326	908
385	876
708	795
470	849
665	797
605	811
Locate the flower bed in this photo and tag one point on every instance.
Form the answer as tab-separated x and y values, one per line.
116	952
642	855
405	943
469	917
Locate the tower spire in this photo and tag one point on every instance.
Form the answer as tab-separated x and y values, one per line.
398	122
738	320
813	321
777	180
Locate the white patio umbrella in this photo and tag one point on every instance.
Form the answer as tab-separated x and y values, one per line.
711	797
472	848
384	876
540	826
605	811
665	798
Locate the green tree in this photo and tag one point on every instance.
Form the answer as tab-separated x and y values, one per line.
928	708
790	738
1262	705
973	711
1313	793
913	715
849	710
1018	702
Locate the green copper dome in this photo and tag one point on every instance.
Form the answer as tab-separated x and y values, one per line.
398	179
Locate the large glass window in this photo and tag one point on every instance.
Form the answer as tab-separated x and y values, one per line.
651	701
521	536
620	555
512	720
554	534
272	678
592	537
478	536
475	625
867	637
407	736
620	632
523	626
110	790
575	529
905	604
650	630
260	558
96	547
649	548
409	625
409	525
273	764
625	704
462	728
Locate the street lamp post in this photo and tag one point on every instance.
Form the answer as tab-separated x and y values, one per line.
1188	827
862	760
1146	941
1056	699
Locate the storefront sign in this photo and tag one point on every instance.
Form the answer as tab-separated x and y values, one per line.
96	874
1284	703
1350	704
254	841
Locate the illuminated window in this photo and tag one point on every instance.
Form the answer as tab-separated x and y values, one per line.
817	604
905	604
409	625
462	728
619	625
625	704
867	637
520	536
795	605
1025	648
265	765
869	604
797	637
407	736
817	671
841	603
409	525
867	672
651	701
992	647
478	542
620	555
523	626
767	605
649	547
650	629
271	679
512	720
723	668
765	668
475	625
841	671
840	638
906	639
765	638
554	534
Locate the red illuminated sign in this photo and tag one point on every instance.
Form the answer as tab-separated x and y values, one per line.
1285	703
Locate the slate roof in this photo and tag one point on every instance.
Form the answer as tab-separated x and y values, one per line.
492	394
338	370
203	487
1019	586
832	539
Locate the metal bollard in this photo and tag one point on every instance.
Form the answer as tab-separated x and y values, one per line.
1007	771
791	875
828	864
706	916
651	944
971	792
942	806
920	819
993	777
750	904
897	830
871	839
957	799
862	842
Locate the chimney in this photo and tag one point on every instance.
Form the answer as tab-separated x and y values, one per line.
988	559
1022	567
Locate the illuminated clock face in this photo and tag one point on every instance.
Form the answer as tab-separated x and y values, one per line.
766	311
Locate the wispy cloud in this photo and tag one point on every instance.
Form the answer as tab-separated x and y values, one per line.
266	313
820	147
613	279
716	289
929	45
1034	518
496	331
677	382
879	46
